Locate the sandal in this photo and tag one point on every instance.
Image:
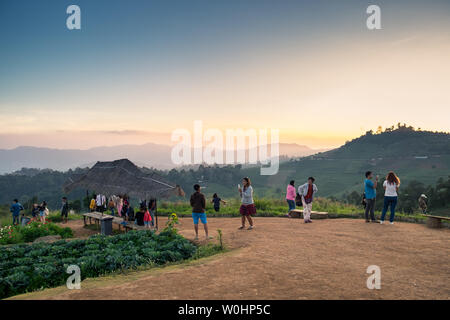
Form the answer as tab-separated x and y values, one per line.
241	227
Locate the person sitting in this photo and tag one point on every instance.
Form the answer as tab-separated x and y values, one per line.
139	218
130	213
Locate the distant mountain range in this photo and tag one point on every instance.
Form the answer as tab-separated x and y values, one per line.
148	155
418	157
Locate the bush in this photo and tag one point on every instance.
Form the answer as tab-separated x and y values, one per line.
43	265
32	231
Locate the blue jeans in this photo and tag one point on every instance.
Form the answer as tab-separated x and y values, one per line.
291	204
389	201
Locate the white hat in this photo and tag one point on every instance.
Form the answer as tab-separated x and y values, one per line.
423	196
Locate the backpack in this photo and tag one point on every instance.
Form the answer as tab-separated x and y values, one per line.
298	200
363	201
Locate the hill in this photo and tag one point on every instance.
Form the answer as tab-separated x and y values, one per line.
418	157
404	142
414	155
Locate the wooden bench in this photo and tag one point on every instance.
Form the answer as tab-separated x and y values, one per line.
435	221
296	213
128	226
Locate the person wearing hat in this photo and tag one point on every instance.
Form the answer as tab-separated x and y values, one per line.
423	203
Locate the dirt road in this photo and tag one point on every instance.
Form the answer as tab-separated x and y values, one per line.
286	259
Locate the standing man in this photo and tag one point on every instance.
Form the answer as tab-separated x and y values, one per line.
64	209
307	191
370	189
15	209
198	204
100	203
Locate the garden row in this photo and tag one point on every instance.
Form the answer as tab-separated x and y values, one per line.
25	268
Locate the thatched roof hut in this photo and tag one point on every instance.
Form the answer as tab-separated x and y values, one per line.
123	177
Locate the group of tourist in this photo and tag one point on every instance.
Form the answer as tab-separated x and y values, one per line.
121	204
305	195
302	196
38	211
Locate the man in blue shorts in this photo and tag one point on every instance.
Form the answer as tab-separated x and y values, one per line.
198	204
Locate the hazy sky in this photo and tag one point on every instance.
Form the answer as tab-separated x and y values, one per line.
137	70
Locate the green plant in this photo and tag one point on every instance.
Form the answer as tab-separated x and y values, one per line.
220	238
43	265
32	231
171	222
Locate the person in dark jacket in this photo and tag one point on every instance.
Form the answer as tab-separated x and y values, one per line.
130	213
64	210
140	215
198	204
15	209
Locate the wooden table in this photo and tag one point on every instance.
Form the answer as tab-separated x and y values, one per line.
98	217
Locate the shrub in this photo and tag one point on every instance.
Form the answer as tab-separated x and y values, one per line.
32	231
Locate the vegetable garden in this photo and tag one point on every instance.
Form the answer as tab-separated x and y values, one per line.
25	268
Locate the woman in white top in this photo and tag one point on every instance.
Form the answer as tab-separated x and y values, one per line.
390	186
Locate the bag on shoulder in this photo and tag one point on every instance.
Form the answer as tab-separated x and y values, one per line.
46	211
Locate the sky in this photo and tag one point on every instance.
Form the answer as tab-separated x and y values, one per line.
138	70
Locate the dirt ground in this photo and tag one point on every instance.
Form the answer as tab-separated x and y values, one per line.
287	259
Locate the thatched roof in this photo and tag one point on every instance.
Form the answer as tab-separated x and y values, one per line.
122	177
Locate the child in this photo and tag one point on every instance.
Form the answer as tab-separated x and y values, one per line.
147	219
35	211
43	211
217	200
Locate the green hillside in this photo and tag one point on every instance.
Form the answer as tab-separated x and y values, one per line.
416	156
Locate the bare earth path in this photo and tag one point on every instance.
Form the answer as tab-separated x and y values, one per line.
286	259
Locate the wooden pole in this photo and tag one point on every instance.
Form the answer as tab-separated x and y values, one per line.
156	214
